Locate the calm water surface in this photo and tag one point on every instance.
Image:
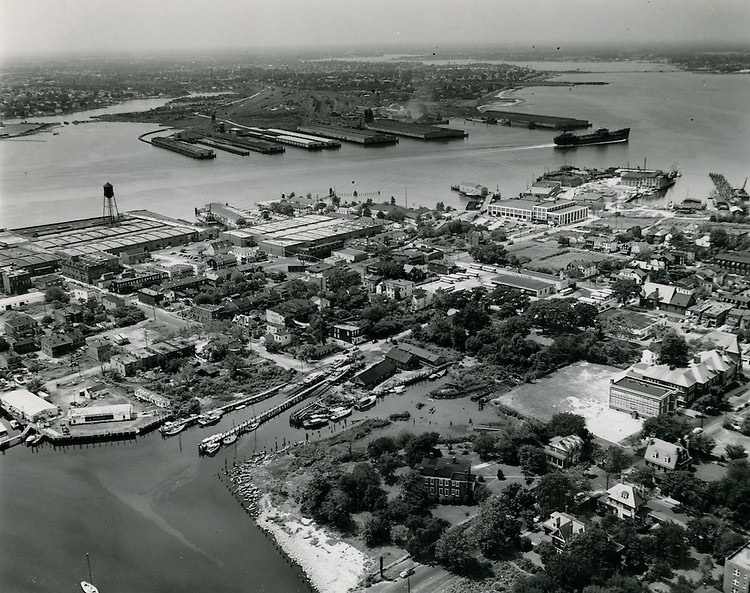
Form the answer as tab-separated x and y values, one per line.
697	122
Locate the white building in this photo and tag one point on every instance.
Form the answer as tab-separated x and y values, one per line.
24	404
94	414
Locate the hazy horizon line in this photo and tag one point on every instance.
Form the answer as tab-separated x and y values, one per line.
445	51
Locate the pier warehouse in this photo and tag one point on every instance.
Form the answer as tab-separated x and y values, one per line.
23	404
559	212
364	137
421	131
311	235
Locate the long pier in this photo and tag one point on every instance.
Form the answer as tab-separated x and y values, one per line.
536	120
255	422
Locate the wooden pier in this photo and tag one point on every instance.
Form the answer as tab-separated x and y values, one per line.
255	422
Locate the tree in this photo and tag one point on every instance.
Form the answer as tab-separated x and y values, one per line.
735	451
495	531
670	544
554	491
491	253
643	476
624	289
566	423
674	350
424	537
55	293
484	445
377	530
319	328
665	427
34	384
453	550
533	460
614	460
421	446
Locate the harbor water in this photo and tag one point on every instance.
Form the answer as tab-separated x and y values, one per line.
696	122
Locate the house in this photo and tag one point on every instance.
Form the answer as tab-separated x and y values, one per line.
424	356
448	479
125	365
624	501
56	345
582	269
20	325
69	315
711	313
561	528
99	349
404	360
207	313
218	247
347	332
112	302
667	298
396	289
635	274
563	451
420	299
375	374
737	571
221	261
666	457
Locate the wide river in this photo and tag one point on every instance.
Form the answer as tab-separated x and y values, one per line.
152	515
697	122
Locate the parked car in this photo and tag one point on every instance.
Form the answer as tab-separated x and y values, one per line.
406	573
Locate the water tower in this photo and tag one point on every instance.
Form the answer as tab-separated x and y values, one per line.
110	215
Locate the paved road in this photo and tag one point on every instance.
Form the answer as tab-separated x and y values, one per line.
426	579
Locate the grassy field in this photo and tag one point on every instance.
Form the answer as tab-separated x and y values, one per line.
581	388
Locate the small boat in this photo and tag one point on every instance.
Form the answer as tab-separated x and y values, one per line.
174	428
366	402
252	426
241	406
211	447
438	374
339	413
230	439
399	389
314	422
86	585
210	418
33	440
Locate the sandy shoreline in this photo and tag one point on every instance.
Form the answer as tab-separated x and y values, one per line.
332	565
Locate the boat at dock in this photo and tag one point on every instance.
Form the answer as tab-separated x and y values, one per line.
314	422
366	402
340	413
230	439
601	136
33	440
211	447
210	418
172	428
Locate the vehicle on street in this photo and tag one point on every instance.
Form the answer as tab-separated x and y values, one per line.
406	573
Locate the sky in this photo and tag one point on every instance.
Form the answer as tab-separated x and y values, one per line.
29	27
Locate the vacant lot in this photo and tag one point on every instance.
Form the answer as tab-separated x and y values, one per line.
581	388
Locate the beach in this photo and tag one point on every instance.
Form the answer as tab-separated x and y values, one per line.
332	565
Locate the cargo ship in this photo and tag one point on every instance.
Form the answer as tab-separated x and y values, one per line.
601	136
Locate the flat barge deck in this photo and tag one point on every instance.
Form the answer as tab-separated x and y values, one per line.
179	147
410	130
536	120
358	136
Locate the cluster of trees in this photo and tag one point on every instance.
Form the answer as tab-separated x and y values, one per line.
128	315
728	498
495	326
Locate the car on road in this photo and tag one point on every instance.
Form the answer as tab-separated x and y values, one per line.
14	424
406	573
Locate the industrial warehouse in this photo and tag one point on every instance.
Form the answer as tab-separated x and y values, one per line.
311	235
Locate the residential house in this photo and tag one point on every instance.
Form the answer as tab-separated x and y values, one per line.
125	364
112	302
737	571
396	289
424	356
564	451
69	315
624	501
667	298
711	313
222	246
637	275
448	479
20	325
221	261
207	313
561	528
420	299
666	457
100	350
347	332
582	269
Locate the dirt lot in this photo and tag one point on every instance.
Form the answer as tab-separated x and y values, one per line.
581	388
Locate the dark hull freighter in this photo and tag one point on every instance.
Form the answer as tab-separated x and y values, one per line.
601	136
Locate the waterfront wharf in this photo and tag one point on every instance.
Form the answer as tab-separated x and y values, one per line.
184	148
224	147
411	130
358	136
301	394
241	141
536	120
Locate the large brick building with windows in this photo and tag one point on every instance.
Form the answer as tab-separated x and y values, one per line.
448	478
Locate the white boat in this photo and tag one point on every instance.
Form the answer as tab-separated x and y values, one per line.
174	428
88	587
339	413
315	422
399	389
230	439
212	447
366	402
33	439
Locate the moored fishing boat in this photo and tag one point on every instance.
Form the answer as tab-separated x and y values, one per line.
172	428
314	422
211	447
230	439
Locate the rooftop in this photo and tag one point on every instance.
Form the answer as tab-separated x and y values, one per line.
742	556
652	390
